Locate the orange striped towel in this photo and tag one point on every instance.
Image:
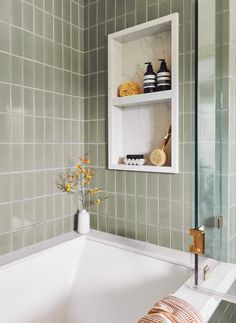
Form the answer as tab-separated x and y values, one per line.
172	309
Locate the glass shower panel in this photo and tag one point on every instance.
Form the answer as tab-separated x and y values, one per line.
215	183
209	129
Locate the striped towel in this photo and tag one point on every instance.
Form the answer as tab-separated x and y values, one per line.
172	309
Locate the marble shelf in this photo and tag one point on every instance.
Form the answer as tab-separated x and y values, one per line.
141	99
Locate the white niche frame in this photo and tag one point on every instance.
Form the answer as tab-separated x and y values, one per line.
122	110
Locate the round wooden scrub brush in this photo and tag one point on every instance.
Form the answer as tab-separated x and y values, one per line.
158	157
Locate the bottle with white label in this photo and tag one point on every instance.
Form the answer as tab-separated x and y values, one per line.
163	77
149	83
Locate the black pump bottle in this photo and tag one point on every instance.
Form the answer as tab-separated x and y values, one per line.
163	77
149	83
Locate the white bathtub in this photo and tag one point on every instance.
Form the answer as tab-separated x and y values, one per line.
100	279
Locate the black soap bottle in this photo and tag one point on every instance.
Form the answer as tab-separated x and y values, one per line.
163	77
149	83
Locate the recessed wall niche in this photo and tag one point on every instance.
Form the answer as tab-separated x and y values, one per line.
138	124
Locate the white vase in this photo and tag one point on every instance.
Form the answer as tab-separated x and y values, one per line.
83	222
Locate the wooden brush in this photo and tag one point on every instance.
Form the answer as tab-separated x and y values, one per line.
158	157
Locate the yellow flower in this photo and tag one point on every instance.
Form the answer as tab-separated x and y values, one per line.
97	201
68	188
78	166
86	161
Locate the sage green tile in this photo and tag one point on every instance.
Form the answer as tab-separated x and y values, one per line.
130	183
130	208
4	97
4	67
48	26
120	227
164	237
101	131
27	17
120	7
16	41
93	108
141	209
68	224
39	76
111	225
177	187
16	12
5	162
39	103
4	10
102	220
92	14
141	232
66	10
102	155
93	61
102	83
102	39
29	213
120	182
111	181
130	230
57	55
16	99
120	23
111	27
101	11
93	131
177	240
5	128
58	8
178	6
164	8
164	213
16	70
5	188
48	5
38	21
18	239
28	73
140	11
5	239
49	230
130	5
153	12
5	218
110	7
120	206
152	234
74	12
48	51
152	185
164	186
130	19
177	215
28	101
4	37
141	184
28	42
152	211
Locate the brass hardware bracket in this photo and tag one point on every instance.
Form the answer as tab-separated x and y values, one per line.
220	222
198	246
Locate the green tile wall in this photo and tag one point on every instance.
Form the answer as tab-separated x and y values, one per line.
41	115
151	207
